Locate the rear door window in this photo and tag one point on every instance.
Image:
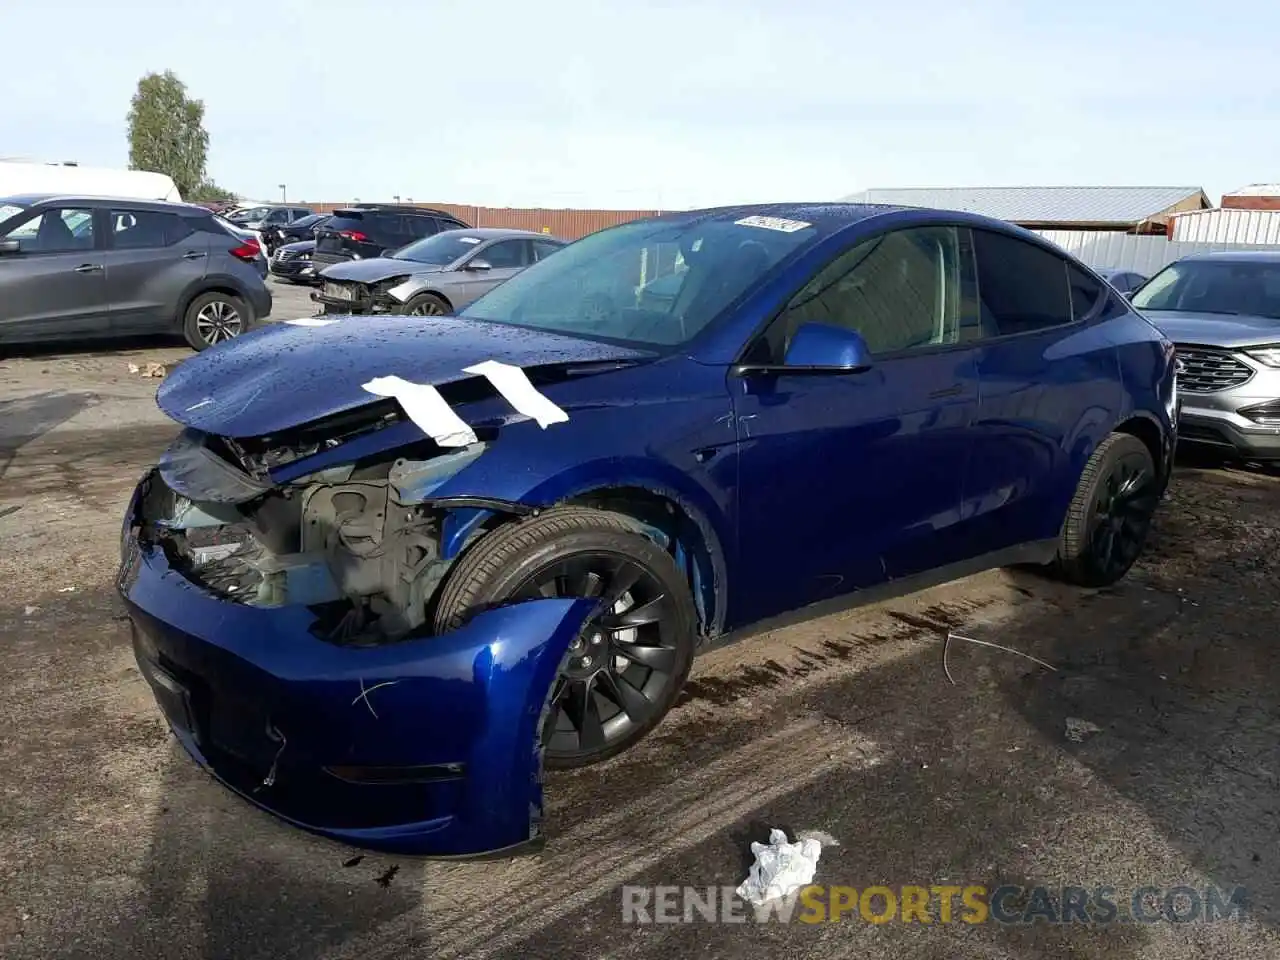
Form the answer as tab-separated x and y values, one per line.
146	229
505	254
1023	287
544	248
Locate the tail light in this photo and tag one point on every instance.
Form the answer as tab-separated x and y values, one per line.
354	235
248	251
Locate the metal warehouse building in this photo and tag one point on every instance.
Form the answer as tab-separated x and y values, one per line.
1138	210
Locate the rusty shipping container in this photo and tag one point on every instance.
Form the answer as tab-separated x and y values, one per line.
567	224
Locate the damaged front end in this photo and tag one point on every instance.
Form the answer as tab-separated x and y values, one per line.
281	613
358	540
352	297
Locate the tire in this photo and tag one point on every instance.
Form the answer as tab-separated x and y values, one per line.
634	655
426	305
205	310
1110	515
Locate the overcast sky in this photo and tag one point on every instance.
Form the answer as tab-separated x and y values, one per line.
651	103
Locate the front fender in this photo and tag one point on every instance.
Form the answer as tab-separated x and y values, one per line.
711	517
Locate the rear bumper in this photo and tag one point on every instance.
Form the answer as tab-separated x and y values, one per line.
427	746
259	297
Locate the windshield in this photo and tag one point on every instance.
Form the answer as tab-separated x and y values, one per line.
1214	286
439	250
310	220
8	210
654	282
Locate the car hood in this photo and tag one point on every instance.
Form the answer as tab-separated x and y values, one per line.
376	269
1215	329
285	375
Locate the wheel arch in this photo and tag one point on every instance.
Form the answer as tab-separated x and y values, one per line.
199	290
679	527
432	292
662	514
1144	427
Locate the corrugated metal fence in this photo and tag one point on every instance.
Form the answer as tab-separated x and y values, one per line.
568	224
1231	226
1124	251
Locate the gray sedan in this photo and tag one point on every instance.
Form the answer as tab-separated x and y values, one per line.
433	276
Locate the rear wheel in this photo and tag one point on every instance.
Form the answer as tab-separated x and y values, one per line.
425	305
215	317
1111	513
623	672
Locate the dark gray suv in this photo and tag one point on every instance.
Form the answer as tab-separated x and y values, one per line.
74	267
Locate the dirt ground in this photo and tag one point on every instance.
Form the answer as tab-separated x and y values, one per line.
114	845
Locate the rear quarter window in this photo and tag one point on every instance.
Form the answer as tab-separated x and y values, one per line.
1022	286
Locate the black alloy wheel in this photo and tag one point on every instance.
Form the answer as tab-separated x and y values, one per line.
625	668
1112	512
622	667
1123	510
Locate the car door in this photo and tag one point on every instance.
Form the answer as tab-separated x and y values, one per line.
1044	382
151	258
851	479
505	258
54	284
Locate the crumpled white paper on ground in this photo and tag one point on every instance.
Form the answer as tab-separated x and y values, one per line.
425	407
781	868
514	384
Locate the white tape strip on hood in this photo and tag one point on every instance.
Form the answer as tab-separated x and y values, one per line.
425	407
311	321
513	383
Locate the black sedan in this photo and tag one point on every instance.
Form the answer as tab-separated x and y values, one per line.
276	235
293	262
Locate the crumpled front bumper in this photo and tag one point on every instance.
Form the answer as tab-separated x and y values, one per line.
427	746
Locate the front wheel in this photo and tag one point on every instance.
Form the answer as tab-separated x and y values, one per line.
1110	516
623	672
425	305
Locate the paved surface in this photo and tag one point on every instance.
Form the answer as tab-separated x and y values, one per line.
113	845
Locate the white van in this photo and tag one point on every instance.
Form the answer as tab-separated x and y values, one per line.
19	178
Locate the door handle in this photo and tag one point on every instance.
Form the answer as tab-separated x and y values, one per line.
192	255
89	268
952	391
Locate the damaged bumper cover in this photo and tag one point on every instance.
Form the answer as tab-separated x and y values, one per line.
428	745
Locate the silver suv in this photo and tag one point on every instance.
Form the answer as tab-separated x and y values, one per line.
1222	311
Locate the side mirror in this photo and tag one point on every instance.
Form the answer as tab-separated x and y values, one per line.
1128	295
10	246
821	348
478	264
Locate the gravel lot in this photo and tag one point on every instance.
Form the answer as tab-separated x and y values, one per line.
113	845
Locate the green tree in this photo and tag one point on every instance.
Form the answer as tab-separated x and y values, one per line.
166	132
208	192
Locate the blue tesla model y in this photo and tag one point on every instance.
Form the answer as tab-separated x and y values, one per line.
392	566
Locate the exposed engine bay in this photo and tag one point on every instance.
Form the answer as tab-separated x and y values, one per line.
353	542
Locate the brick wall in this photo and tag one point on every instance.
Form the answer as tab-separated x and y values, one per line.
567	224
